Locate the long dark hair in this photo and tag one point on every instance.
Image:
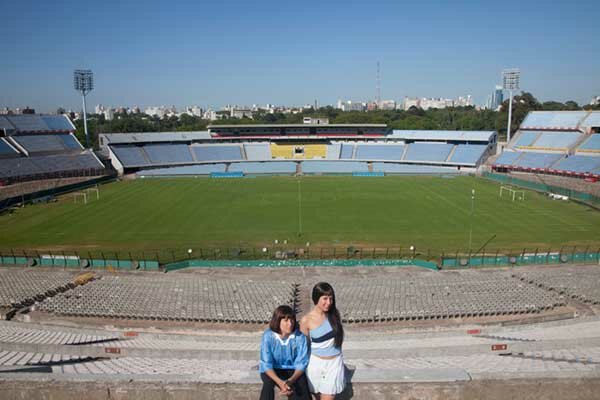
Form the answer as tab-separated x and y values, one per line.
333	315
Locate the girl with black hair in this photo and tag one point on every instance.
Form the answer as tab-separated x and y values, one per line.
323	326
283	357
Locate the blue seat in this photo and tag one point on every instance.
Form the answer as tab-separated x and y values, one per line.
204	169
333	167
347	151
578	163
508	158
217	152
537	160
436	152
468	153
168	153
591	143
412	169
557	140
131	156
379	152
40	143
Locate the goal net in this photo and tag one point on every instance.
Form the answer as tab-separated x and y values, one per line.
512	192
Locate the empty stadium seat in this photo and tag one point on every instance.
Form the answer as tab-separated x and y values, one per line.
40	143
333	151
131	156
257	151
29	166
217	152
578	164
347	151
379	152
557	140
591	144
554	119
526	138
435	152
168	153
7	150
508	157
333	167
412	169
203	169
537	160
468	153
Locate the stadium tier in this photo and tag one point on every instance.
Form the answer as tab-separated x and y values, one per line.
333	167
578	164
554	120
412	169
168	153
436	152
284	167
257	151
554	142
31	123
591	144
379	152
7	150
217	152
192	170
249	143
42	146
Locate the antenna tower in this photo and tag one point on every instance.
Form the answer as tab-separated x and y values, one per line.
378	87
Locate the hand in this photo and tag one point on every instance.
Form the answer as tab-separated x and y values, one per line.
286	388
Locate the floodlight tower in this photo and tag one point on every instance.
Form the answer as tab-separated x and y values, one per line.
510	82
83	80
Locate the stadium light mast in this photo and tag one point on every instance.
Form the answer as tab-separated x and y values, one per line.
83	81
510	82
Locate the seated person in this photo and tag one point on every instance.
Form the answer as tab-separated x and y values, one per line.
283	357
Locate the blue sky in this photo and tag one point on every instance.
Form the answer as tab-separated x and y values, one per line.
290	52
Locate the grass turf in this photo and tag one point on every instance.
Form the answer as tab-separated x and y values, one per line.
431	213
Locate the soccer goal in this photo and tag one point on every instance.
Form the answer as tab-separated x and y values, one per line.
515	194
86	194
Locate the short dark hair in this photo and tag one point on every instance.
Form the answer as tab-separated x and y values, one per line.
280	313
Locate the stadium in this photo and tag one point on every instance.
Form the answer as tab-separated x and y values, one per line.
460	263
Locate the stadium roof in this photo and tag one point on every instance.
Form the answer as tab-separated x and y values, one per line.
144	137
443	135
33	123
299	126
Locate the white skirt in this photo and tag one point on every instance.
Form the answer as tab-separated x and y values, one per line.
326	376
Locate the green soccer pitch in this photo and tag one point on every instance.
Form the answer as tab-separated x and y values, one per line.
431	213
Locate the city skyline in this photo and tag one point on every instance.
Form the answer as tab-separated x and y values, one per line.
211	55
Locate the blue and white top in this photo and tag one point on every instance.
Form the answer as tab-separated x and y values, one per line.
322	340
276	353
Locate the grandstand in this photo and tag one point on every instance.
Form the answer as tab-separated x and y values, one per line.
297	149
42	147
555	142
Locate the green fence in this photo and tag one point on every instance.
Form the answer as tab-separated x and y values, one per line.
540	187
300	263
72	261
522	257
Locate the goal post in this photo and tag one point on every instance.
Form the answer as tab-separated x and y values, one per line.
93	190
80	195
515	194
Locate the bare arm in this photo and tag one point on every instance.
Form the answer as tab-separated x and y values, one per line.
304	326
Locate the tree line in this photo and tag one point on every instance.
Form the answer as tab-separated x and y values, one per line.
452	118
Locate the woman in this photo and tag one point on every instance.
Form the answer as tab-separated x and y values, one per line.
283	357
323	326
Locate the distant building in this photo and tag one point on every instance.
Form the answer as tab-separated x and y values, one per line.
496	98
109	114
315	121
595	101
387	105
240	113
